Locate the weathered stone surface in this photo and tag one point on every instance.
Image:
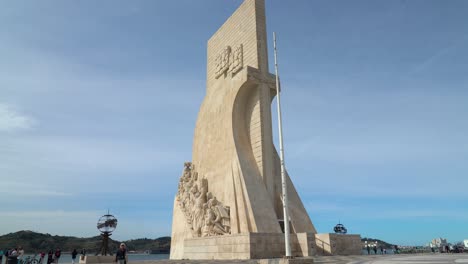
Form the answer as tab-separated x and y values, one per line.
364	259
96	259
337	244
204	214
233	151
247	246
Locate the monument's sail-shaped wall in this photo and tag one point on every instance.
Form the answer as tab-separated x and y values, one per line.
234	161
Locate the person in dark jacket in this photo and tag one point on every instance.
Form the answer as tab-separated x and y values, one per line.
121	254
7	253
50	257
74	253
57	255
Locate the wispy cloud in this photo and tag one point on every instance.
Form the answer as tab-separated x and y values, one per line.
24	189
83	223
369	211
415	213
75	223
11	120
381	126
94	153
432	59
50	214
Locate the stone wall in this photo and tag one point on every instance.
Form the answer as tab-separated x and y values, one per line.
248	246
337	244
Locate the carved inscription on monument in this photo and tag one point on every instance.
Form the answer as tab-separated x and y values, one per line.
229	61
205	215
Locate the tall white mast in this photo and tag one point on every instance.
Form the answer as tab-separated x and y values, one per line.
287	239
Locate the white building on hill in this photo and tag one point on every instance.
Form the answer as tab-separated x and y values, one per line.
438	242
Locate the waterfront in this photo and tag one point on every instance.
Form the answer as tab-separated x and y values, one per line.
356	259
66	258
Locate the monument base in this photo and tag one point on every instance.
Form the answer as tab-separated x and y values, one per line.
248	246
270	245
306	260
97	259
329	244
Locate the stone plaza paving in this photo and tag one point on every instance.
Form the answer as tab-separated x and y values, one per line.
395	259
362	259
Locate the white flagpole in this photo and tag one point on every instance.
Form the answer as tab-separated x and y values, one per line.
287	239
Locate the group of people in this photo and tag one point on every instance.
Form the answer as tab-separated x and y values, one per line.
16	253
54	256
374	248
382	249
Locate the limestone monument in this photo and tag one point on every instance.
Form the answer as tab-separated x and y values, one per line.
228	204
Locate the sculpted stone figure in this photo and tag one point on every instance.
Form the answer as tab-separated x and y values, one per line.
233	151
214	224
205	215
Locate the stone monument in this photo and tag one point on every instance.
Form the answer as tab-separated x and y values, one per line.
228	204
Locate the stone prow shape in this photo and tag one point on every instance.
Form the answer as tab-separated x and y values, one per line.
255	189
233	146
229	164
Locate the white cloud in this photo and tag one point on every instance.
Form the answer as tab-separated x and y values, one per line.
11	120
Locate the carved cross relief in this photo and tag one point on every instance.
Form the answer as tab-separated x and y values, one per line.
229	61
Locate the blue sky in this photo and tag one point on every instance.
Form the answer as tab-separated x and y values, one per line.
99	99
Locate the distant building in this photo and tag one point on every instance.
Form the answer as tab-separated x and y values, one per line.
465	242
438	242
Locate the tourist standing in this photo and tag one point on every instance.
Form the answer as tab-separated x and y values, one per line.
57	254
121	254
368	249
375	250
83	254
1	256
74	253
396	249
13	256
20	254
7	253
50	257
41	260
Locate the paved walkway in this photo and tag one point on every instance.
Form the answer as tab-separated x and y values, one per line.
363	259
395	259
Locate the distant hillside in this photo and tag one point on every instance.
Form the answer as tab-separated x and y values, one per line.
160	245
379	242
34	242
